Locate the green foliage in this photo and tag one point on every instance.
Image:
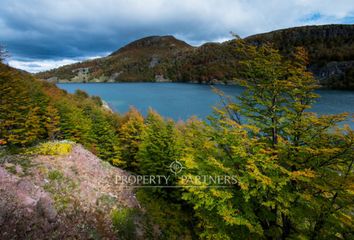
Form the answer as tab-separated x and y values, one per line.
33	125
61	188
276	90
292	167
81	94
33	111
161	146
52	121
123	222
55	175
173	220
235	211
21	108
130	137
97	100
105	141
74	125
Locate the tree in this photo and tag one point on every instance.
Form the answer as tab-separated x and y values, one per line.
130	137
20	108
161	145
81	94
235	211
33	128
293	167
52	121
74	125
105	140
3	53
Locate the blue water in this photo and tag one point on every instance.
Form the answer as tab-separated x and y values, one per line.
182	100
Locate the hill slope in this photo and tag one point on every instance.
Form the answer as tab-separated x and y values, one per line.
330	47
165	58
44	192
65	196
137	61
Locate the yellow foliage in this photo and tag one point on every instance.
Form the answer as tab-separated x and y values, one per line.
52	148
189	162
307	173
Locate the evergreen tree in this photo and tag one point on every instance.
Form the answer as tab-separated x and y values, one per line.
33	126
52	121
74	125
106	141
130	137
160	147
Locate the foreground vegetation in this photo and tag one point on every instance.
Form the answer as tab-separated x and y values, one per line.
294	169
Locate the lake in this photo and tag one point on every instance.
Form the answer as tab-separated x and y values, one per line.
183	100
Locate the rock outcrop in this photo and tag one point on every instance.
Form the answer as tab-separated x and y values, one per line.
60	197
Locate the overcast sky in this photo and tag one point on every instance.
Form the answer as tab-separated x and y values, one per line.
42	34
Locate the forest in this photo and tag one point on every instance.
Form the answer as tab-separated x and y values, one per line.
293	168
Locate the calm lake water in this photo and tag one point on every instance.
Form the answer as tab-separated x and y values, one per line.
182	100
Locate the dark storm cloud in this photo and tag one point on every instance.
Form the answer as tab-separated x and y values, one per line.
55	32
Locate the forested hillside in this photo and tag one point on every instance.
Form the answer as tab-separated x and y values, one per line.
262	167
330	47
141	60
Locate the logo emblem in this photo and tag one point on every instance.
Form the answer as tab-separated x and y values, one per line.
176	167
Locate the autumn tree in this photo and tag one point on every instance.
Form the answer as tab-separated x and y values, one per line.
292	167
279	93
52	122
20	108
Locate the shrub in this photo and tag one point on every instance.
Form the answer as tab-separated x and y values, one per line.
123	222
52	148
55	175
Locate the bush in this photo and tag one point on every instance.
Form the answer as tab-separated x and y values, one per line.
52	148
55	175
123	222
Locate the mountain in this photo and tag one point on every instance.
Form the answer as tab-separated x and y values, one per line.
140	60
165	58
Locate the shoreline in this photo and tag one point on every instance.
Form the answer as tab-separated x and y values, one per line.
196	83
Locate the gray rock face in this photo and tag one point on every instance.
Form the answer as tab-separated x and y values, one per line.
153	62
333	69
19	203
45	208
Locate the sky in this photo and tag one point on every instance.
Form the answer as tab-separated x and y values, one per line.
44	34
